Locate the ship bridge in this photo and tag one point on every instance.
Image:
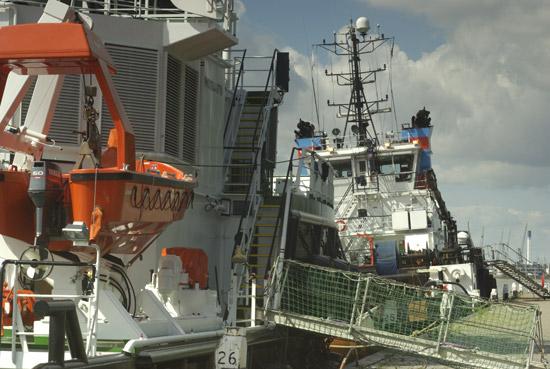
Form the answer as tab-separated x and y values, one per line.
449	327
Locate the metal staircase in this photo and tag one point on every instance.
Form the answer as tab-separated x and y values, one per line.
249	126
247	142
267	234
519	276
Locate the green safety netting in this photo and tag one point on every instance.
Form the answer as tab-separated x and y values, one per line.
443	324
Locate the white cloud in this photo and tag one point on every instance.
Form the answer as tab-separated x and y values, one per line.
494	174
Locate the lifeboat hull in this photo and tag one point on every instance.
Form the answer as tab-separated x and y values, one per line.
131	208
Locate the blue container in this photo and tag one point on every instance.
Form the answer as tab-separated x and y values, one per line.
385	253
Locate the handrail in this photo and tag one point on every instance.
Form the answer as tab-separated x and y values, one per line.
242	236
92	298
260	111
256	156
280	212
494	248
344	196
520	257
229	114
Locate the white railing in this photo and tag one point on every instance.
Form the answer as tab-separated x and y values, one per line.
221	10
18	328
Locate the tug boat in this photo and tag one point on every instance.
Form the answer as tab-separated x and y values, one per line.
391	216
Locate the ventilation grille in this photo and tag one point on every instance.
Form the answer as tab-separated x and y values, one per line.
136	82
66	119
172	133
26	102
190	114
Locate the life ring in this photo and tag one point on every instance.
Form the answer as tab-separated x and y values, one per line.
342	225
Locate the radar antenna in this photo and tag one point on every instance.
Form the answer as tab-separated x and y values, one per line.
359	110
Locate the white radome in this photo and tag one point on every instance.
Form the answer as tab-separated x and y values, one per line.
362	25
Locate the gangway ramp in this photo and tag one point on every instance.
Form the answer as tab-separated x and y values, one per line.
446	326
519	276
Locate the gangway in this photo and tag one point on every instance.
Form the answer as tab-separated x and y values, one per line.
521	277
455	329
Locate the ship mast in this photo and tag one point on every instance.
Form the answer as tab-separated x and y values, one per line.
359	110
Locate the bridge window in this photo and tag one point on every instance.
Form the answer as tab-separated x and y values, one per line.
342	169
362	166
400	165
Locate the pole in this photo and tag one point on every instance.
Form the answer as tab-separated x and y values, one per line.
358	89
528	247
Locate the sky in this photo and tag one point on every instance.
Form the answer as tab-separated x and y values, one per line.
482	67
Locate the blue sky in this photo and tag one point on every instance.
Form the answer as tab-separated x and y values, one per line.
480	66
302	23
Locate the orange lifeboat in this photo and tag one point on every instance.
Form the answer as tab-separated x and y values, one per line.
126	210
125	203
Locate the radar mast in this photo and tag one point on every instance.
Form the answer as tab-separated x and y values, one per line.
359	110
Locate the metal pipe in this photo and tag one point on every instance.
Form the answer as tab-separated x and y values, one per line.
314	219
135	345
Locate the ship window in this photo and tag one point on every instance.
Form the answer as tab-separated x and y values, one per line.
362	166
342	169
385	165
400	165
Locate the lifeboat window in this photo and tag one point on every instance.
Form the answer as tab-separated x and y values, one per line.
342	169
